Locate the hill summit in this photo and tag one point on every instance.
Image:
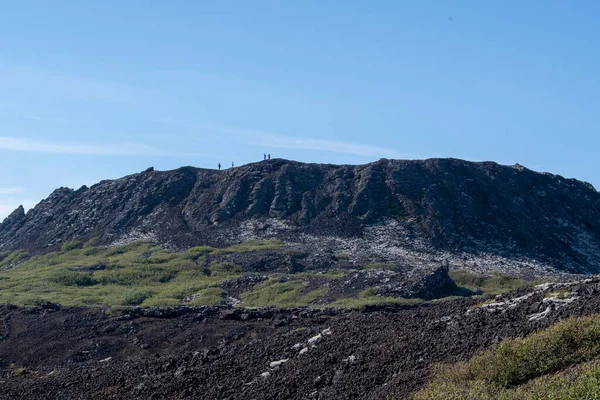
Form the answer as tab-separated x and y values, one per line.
479	215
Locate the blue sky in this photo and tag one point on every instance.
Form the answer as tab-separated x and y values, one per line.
91	90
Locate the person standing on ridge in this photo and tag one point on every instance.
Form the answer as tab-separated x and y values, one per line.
219	166
232	164
264	156
269	156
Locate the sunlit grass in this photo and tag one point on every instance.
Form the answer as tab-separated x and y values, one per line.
526	368
134	274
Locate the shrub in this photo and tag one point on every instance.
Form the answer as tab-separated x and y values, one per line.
493	373
72	278
224	269
92	243
134	298
277	293
201	249
72	245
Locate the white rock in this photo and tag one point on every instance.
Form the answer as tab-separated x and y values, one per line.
274	364
315	339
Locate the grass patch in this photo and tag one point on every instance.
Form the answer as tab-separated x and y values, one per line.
8	258
278	293
70	278
137	273
224	269
520	368
251	245
489	284
137	297
208	296
72	245
369	297
342	256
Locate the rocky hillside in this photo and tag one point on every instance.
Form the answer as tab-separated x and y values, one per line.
474	215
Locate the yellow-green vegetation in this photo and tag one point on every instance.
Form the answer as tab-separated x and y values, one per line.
251	245
281	293
384	266
134	274
20	371
8	258
489	284
342	256
528	368
558	294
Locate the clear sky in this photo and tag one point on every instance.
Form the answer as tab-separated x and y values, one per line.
91	90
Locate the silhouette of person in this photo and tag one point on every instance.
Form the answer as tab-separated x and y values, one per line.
232	164
269	156
219	166
264	156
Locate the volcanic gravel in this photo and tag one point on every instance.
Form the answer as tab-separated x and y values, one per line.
216	353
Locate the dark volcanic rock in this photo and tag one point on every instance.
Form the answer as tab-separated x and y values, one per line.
413	207
14	219
376	353
412	283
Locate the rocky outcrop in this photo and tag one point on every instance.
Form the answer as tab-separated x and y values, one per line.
412	283
438	204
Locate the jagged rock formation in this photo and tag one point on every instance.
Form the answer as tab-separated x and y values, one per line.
404	212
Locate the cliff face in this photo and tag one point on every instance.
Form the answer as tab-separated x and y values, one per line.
445	205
